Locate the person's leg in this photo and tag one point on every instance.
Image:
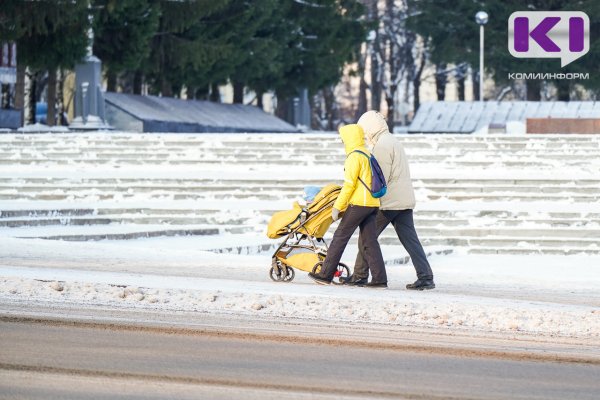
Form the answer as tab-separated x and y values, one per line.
371	249
361	267
405	228
350	221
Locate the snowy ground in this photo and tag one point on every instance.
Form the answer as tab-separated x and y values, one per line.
544	295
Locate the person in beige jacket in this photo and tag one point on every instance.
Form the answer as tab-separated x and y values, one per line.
396	207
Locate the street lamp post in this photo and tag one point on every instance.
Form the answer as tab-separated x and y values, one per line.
481	18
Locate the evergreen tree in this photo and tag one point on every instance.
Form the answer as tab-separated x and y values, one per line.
123	31
49	35
185	45
254	54
320	38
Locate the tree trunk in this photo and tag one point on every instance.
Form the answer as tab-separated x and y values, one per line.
461	88
534	90
475	78
392	62
29	97
563	90
375	49
375	79
281	111
202	93
51	100
259	100
215	94
111	81
5	96
166	89
416	96
238	93
362	91
417	85
440	81
190	93
391	110
20	90
330	108
362	98
60	105
138	78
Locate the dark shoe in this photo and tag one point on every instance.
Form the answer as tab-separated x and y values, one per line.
319	279
376	285
421	284
353	281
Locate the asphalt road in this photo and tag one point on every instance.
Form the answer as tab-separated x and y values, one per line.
68	361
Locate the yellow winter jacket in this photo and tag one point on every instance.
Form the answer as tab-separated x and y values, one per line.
356	165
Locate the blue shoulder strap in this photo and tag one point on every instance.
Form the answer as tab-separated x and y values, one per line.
361	152
361	181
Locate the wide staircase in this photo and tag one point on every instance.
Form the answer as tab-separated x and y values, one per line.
493	194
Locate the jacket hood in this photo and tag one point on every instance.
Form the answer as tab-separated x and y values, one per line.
374	125
353	137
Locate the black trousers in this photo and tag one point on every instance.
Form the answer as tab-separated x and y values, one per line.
403	223
363	218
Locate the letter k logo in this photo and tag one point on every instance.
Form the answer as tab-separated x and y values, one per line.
539	34
549	34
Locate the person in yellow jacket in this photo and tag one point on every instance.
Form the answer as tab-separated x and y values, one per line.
359	210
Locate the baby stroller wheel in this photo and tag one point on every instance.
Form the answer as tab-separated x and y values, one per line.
342	271
276	273
290	274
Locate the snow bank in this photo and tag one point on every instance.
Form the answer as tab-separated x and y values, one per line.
357	305
542	295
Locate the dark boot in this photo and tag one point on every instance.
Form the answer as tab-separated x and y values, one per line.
376	285
319	279
421	284
353	281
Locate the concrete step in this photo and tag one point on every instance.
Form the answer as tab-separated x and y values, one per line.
296	149
196	162
513	232
120	219
100	196
297	189
420	214
127	236
19	223
531	251
331	137
515	242
45	213
278	183
293	148
429	226
120	231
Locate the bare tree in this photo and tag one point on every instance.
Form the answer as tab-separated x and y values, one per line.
29	98
399	49
51	98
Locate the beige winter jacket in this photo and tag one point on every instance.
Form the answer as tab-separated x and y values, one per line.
390	155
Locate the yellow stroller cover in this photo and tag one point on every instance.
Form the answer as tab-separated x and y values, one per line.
317	218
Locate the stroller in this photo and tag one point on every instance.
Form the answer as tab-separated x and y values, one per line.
304	228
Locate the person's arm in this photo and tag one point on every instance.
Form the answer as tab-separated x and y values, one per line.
385	157
351	172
